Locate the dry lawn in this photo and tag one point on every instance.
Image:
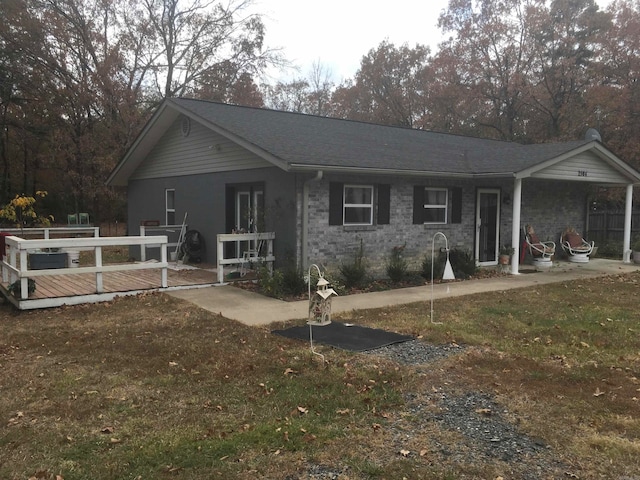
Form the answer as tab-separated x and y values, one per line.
152	387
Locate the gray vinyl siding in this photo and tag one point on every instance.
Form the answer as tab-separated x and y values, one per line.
202	151
202	197
586	167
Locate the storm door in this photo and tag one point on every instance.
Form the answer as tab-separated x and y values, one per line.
248	215
487	226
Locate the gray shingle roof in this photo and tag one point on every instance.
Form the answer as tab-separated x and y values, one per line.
310	141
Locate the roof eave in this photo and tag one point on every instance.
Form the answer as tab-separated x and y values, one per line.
299	167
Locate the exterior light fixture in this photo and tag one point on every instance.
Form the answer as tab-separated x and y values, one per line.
448	271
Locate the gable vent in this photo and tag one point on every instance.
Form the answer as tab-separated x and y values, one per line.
186	126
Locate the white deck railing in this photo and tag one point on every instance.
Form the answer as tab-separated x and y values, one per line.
252	240
15	265
48	232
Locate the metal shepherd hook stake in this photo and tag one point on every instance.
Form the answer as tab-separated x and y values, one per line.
448	271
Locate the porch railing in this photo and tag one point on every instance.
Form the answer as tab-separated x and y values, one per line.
252	240
53	232
15	266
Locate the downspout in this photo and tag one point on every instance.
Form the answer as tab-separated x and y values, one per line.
304	247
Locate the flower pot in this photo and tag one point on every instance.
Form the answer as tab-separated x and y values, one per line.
504	259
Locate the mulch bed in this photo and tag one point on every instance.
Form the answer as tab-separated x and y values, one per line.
377	285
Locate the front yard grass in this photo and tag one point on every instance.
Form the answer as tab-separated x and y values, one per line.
153	387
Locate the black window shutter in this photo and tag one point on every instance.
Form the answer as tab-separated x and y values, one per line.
456	205
335	203
418	204
384	204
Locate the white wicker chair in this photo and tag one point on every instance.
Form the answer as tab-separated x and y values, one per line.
538	249
576	247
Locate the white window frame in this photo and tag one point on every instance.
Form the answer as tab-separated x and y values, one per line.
346	205
432	207
168	210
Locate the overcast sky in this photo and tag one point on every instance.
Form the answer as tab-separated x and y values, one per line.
338	33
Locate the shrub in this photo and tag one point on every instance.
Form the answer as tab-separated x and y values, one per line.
270	283
396	264
462	263
610	249
286	281
354	274
293	282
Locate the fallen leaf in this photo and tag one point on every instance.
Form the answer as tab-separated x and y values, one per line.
423	452
584	344
483	411
289	371
302	410
115	440
309	437
405	453
342	411
107	430
598	393
173	364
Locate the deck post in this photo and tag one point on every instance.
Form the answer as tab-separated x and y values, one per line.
13	261
24	281
220	256
163	259
269	254
143	248
99	284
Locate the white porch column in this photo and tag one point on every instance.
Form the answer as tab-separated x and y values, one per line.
515	226
626	241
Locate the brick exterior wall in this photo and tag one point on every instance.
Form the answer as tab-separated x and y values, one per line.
549	206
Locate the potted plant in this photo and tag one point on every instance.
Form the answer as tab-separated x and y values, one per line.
504	256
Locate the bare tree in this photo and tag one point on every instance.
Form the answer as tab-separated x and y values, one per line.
188	41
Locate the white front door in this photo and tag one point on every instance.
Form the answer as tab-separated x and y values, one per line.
487	226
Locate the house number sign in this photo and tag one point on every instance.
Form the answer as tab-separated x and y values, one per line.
583	173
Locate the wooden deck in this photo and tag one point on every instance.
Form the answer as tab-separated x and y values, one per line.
74	289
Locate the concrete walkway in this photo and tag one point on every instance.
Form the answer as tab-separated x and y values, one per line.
254	309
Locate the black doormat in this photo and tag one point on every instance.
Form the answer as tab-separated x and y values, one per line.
346	336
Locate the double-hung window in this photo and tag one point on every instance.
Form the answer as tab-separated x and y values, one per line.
358	205
435	205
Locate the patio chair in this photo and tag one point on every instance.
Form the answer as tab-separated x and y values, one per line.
576	247
539	250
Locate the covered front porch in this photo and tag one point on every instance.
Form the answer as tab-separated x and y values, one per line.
591	164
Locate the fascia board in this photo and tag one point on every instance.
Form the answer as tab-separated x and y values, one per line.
297	167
